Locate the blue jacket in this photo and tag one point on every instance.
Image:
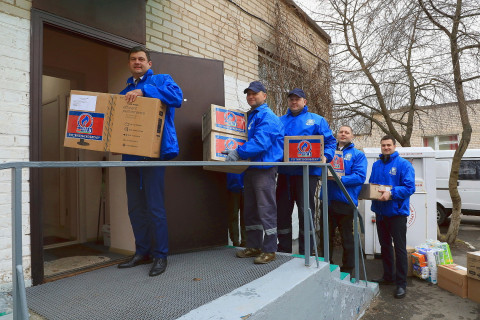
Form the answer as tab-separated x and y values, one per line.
265	137
235	182
160	86
355	164
398	173
308	124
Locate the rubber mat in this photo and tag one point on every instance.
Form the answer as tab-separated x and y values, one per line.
191	280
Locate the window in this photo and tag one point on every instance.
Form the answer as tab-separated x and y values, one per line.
469	170
447	142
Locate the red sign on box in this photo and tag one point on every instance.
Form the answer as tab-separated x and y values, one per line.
308	149
337	162
223	143
85	125
229	119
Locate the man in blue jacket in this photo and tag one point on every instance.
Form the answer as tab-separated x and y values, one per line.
339	211
392	210
145	185
265	144
299	122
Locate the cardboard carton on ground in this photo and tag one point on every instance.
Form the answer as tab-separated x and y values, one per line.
106	122
473	289
215	143
473	264
371	191
453	278
410	250
303	148
337	164
224	120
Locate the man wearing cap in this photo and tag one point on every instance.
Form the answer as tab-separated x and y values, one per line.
299	122
265	144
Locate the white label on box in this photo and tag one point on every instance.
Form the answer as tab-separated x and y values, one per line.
461	268
387	188
84	103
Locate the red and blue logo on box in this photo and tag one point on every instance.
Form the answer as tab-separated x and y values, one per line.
337	163
85	125
223	143
231	120
304	150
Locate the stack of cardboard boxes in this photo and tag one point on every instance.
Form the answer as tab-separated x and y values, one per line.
223	129
473	269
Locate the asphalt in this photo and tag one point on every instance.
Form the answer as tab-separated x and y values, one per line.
426	301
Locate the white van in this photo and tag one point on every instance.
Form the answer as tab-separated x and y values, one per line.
468	183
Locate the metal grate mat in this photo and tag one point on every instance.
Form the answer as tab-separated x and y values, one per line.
191	280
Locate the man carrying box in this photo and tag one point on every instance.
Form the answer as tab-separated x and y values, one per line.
145	185
299	122
265	144
392	210
339	210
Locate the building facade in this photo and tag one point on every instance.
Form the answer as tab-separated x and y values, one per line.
50	47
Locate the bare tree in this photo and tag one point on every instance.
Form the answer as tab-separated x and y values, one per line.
459	22
380	73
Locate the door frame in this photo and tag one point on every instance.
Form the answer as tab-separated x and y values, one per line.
38	20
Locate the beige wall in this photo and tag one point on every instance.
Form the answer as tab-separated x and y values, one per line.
432	121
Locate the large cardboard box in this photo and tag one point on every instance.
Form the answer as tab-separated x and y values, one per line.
224	120
106	122
473	289
371	191
337	164
453	278
303	148
214	144
473	264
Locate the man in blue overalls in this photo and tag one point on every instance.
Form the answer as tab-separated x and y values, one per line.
145	185
265	144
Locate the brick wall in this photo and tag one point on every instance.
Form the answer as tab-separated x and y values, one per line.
14	128
221	30
432	121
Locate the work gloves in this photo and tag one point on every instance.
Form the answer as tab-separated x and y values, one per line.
232	155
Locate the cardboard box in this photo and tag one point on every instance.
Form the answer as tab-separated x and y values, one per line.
106	122
303	148
473	289
473	264
337	164
453	278
224	120
214	144
371	191
410	250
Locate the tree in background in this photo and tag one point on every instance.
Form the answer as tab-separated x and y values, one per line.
458	23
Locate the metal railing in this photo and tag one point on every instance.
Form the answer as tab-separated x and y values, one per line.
20	309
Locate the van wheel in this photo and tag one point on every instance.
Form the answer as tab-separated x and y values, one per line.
441	215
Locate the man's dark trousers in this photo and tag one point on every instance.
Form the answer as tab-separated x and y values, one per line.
146	209
388	229
340	215
290	191
261	209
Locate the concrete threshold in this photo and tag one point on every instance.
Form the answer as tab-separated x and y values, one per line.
293	291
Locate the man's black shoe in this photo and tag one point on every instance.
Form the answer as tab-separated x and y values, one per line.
400	293
159	266
383	281
134	261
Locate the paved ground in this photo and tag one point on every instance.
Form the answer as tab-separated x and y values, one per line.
425	301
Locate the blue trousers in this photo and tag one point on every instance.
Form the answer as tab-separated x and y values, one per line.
146	209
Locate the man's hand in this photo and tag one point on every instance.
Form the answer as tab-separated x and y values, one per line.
386	196
232	155
132	95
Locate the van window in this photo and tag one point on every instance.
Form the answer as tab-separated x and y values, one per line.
469	170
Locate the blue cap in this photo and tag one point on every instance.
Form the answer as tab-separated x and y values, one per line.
298	92
255	86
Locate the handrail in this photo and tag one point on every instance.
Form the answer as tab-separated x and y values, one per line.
20	310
